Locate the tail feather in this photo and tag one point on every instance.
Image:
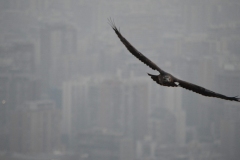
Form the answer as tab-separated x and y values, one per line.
154	77
236	98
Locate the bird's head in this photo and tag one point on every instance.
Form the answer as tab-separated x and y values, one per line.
166	78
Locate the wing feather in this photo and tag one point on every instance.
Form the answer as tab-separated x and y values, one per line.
204	91
133	50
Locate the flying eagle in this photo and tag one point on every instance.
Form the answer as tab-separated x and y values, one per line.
164	78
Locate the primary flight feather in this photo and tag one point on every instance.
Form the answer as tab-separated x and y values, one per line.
164	78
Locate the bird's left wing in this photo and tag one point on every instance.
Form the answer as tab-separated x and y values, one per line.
204	91
133	50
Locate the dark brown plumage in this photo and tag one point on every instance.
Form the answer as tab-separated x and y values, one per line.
164	78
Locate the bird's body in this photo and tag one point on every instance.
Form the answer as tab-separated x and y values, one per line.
164	78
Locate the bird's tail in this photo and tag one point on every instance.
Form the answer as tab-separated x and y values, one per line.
154	77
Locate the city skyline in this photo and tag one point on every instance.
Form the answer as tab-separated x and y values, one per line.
69	84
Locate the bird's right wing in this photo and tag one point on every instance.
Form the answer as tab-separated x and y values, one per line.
204	91
133	50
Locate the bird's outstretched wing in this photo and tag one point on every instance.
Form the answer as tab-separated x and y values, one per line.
204	91
181	83
133	50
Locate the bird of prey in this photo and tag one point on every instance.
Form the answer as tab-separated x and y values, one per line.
164	78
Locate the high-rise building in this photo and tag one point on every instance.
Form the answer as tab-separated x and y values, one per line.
75	110
19	82
136	107
92	102
34	127
58	49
